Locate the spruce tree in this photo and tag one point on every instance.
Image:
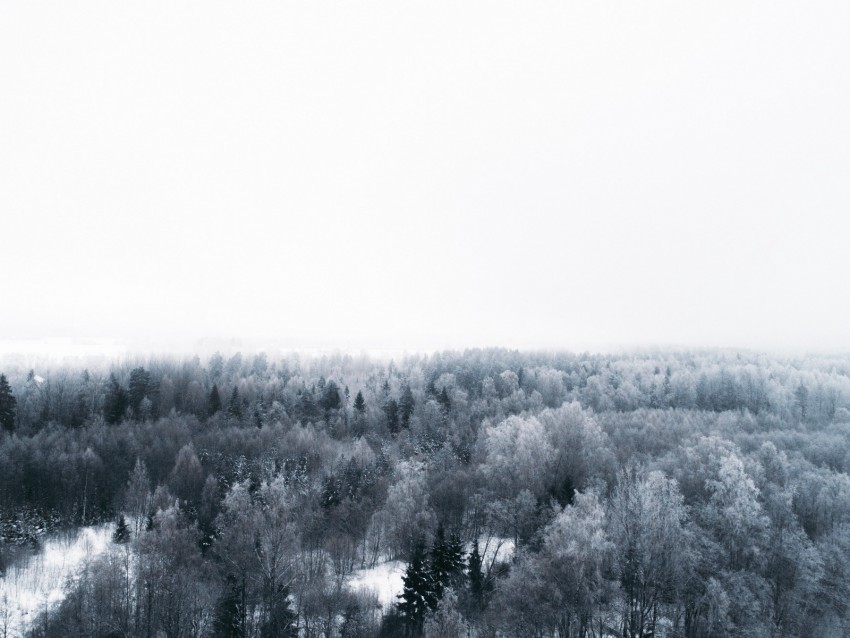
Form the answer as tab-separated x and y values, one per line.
115	403
8	405
330	396
418	596
215	400
359	402
235	407
406	403
122	531
476	575
230	612
281	620
440	565
446	561
391	410
138	389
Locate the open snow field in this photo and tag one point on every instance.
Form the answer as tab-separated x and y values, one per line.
39	582
384	580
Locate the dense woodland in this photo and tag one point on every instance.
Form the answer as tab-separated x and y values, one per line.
691	494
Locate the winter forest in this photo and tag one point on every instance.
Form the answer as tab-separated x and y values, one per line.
486	493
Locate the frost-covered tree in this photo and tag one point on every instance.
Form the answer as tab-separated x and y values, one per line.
645	523
8	405
519	456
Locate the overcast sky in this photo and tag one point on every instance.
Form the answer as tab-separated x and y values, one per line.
418	175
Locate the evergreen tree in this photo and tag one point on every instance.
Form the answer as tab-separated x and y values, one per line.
122	531
405	406
235	407
115	403
360	403
446	561
281	621
8	405
330	396
440	566
476	576
444	400
214	400
455	558
230	615
138	389
418	594
391	410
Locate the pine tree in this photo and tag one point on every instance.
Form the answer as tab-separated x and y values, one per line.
229	617
418	594
391	410
476	575
138	389
455	556
359	402
405	406
330	396
235	407
115	403
122	531
446	561
215	400
440	566
8	405
281	621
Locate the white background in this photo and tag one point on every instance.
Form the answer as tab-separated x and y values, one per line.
419	175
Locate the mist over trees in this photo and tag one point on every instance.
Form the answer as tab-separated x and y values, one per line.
699	494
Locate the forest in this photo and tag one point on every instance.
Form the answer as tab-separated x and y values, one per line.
693	494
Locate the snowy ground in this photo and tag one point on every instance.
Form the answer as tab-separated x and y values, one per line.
494	550
39	582
383	580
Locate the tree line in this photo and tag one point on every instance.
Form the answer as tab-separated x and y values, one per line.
693	494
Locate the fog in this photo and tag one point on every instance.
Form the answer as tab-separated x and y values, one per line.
427	175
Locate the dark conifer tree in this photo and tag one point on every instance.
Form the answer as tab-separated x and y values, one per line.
455	558
330	396
122	531
8	405
360	403
235	406
446	561
444	400
230	616
418	594
431	388
115	403
281	622
391	410
476	576
405	406
440	565
214	400
138	389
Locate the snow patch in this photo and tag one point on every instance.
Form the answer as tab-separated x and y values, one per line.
383	580
39	583
494	550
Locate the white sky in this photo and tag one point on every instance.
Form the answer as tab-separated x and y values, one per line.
426	174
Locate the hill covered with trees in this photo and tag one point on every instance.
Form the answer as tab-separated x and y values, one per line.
695	494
